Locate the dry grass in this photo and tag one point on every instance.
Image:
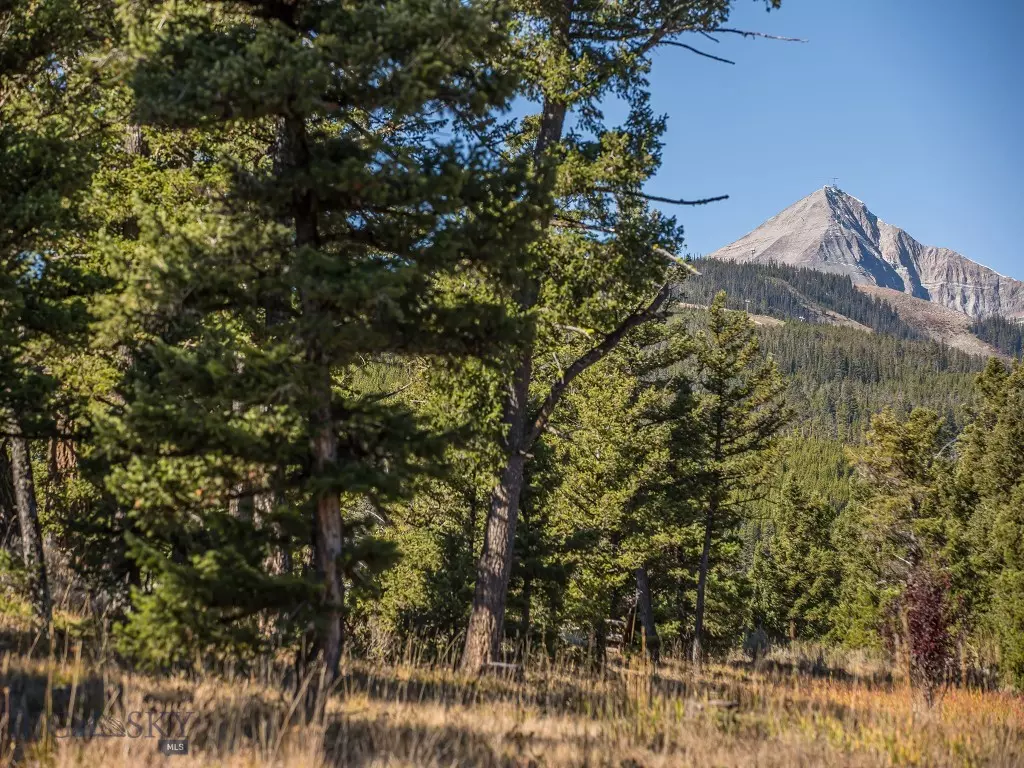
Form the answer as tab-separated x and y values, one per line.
784	712
797	707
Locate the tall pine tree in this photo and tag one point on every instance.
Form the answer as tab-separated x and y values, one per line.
49	137
347	175
740	413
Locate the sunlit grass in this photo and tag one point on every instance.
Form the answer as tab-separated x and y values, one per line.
627	714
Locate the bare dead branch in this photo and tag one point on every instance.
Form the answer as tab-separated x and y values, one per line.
690	48
747	33
659	199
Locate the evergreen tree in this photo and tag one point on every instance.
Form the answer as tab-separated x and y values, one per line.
48	144
739	413
608	450
346	174
797	293
1005	335
896	522
796	568
437	526
991	487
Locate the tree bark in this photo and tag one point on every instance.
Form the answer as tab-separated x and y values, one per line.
275	308
702	582
644	607
327	539
486	621
28	520
484	633
9	531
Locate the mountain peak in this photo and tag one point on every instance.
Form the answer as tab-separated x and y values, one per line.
833	231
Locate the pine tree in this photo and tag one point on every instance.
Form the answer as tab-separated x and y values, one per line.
602	263
345	174
605	447
990	483
897	520
48	144
796	568
739	414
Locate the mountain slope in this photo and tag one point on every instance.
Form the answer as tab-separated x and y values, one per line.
832	231
791	293
935	321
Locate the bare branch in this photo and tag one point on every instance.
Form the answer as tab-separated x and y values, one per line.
746	33
659	199
677	44
677	201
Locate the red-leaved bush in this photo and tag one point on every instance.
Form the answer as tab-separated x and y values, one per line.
929	617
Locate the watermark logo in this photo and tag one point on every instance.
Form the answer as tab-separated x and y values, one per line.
171	747
168	728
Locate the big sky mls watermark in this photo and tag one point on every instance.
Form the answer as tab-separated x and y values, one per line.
169	729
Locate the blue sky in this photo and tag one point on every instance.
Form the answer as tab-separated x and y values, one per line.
917	106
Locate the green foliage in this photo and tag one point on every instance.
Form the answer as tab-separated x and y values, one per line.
608	448
796	569
988	495
838	378
268	271
49	141
896	519
338	182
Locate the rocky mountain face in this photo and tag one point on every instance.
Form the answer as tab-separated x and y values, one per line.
832	231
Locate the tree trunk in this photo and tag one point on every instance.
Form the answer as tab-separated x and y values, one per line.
486	620
702	582
327	530
487	616
484	633
652	644
9	531
28	521
327	538
275	309
483	637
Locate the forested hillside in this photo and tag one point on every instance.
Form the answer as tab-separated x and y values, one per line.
1005	335
785	292
838	377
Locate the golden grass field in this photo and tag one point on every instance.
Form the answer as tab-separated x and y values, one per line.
777	713
799	706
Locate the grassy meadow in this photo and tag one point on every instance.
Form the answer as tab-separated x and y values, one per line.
794	707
